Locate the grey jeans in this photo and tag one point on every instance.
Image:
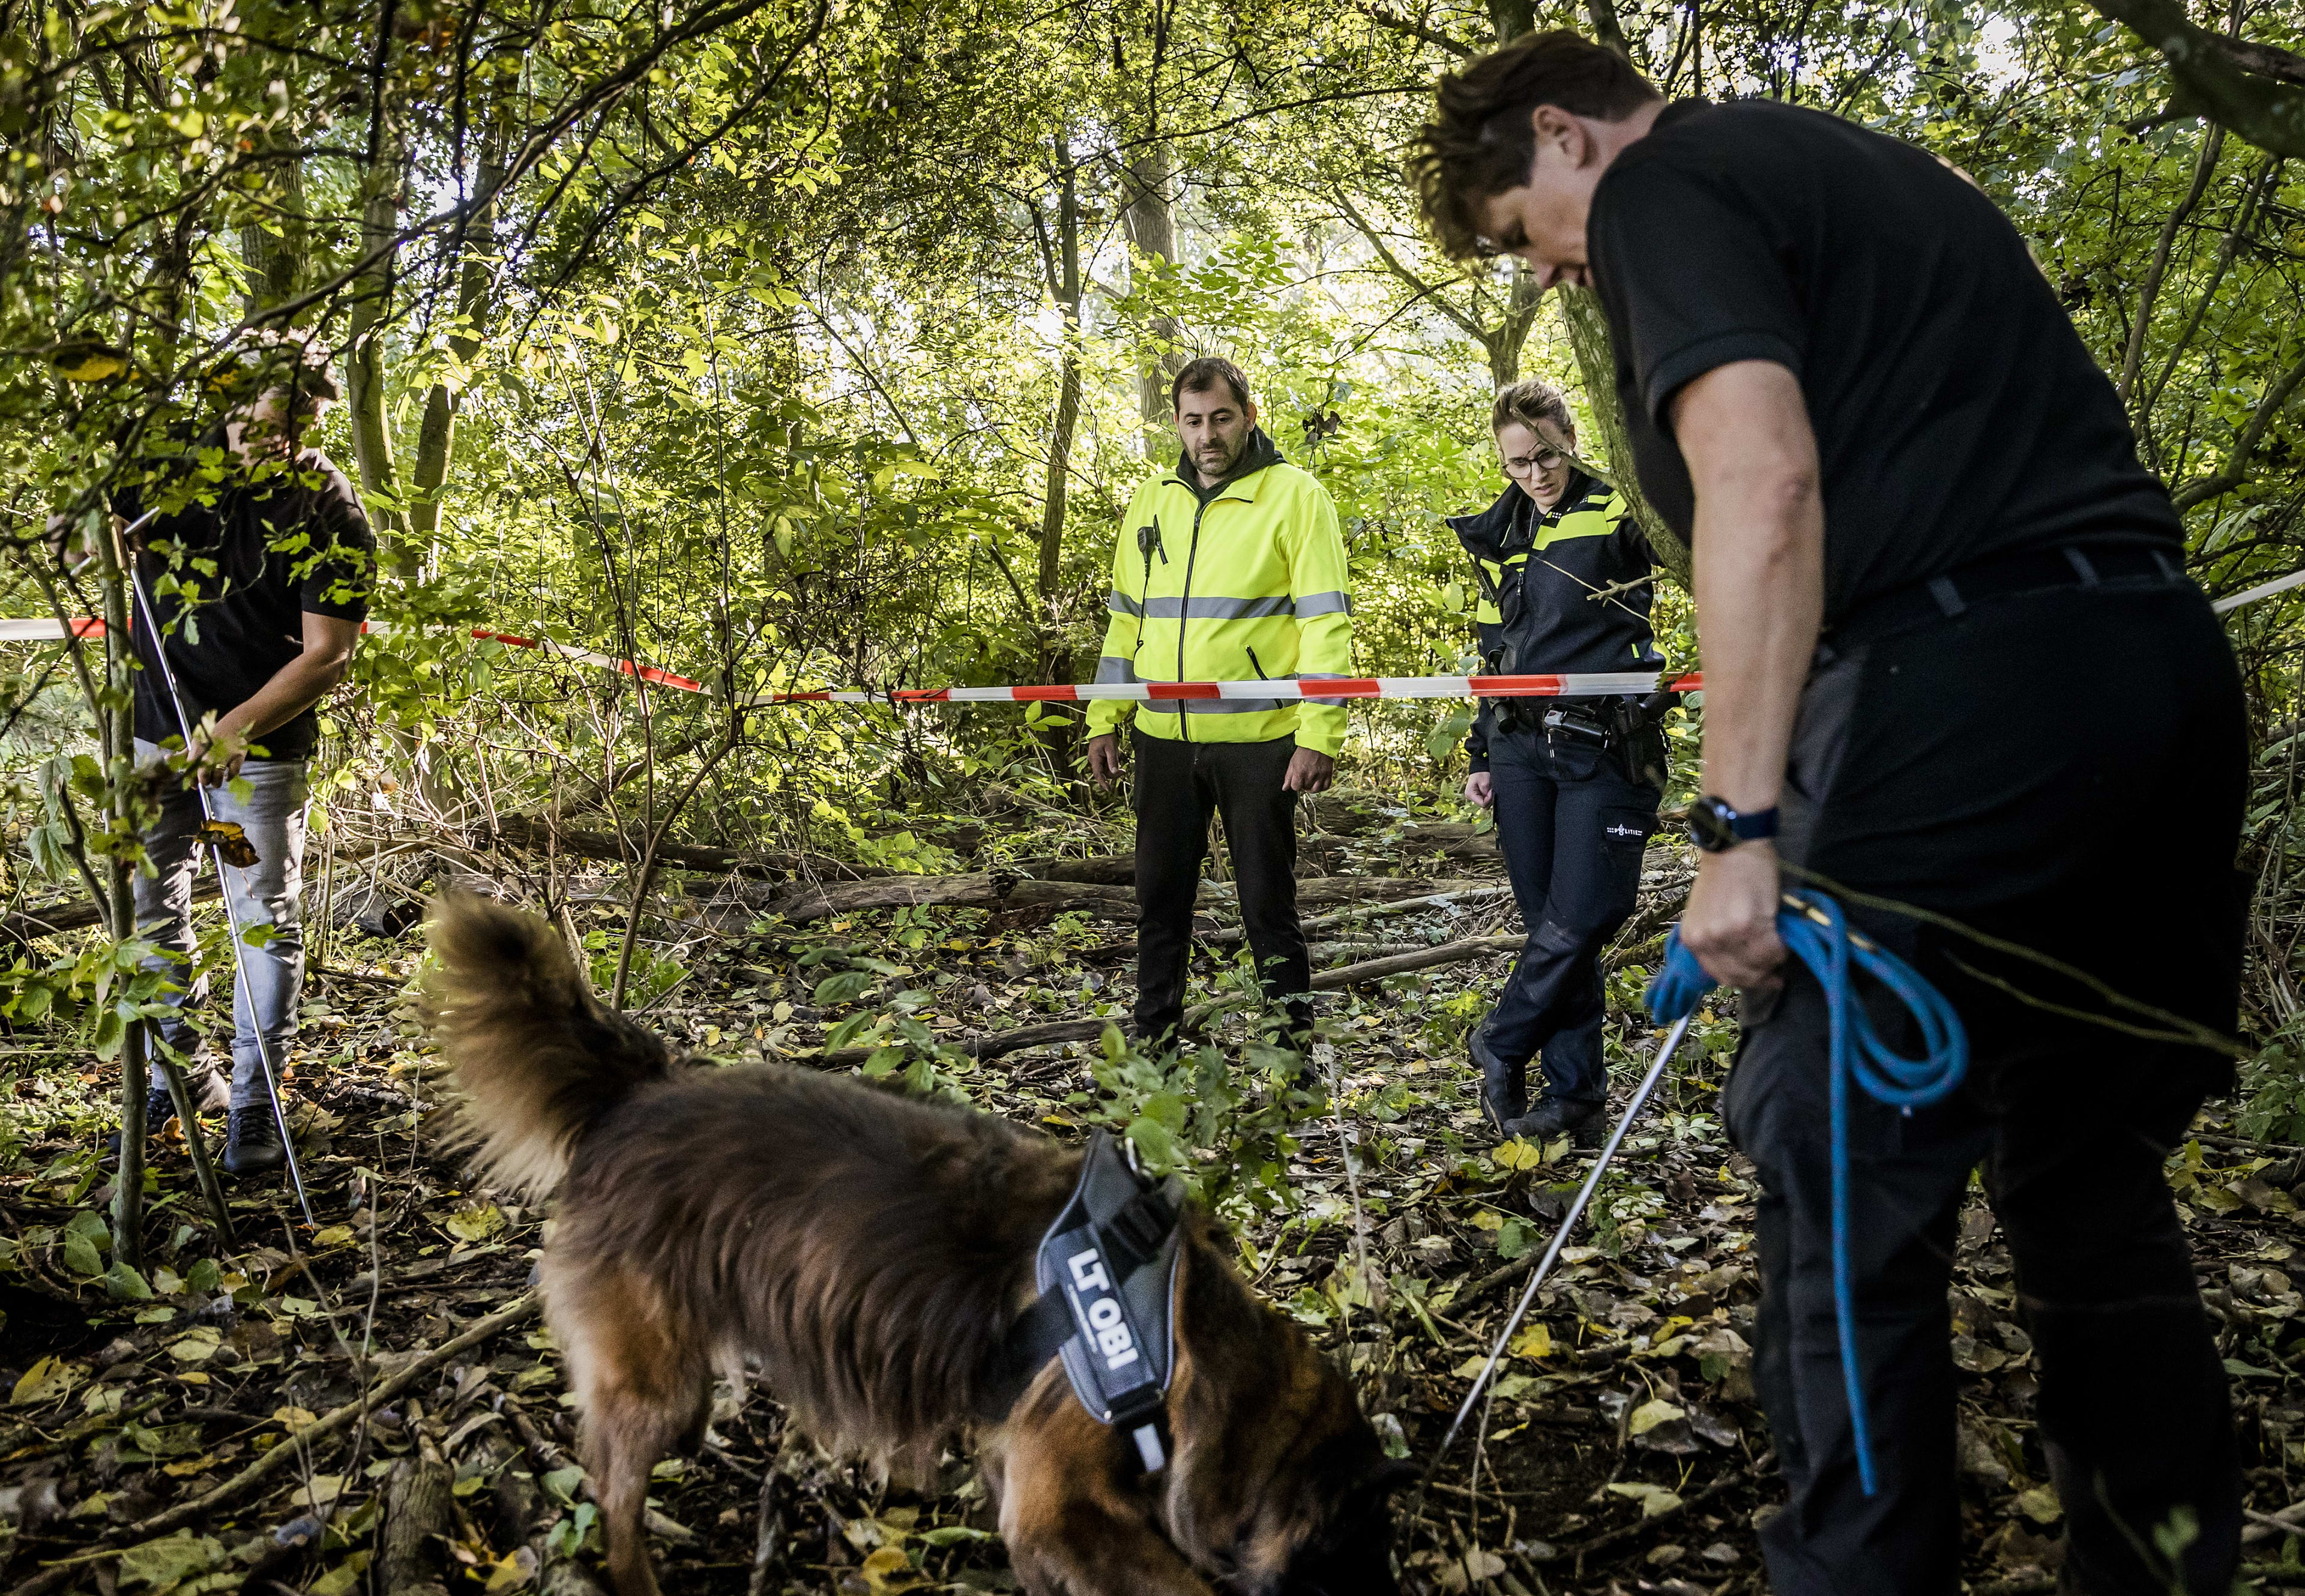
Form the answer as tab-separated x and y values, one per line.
270	893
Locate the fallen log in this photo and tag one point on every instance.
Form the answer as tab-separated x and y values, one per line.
1004	889
419	1518
1097	869
992	1044
79	915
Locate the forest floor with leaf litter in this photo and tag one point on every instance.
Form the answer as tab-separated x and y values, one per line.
202	1426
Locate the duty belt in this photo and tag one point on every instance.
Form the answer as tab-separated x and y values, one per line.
1107	1273
2085	565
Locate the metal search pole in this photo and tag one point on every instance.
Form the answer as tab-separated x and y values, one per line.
245	988
1585	1195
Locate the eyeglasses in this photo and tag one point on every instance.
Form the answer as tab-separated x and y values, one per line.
1543	460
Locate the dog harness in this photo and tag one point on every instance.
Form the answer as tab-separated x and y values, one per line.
1107	1273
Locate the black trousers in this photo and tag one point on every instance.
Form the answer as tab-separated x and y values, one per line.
1572	827
1954	766
1179	785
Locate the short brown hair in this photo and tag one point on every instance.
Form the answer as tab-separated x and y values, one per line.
1480	142
1528	401
1200	376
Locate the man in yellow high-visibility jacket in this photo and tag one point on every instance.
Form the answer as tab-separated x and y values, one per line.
1228	568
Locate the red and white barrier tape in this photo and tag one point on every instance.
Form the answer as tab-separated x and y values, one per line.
1584	684
1581	685
1587	685
51	631
48	631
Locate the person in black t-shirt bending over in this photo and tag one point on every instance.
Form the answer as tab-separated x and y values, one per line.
1916	511
258	566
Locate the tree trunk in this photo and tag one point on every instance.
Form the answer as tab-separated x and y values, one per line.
1597	362
116	732
371	309
1152	229
1067	285
1057	731
435	437
1504	343
275	260
1607	30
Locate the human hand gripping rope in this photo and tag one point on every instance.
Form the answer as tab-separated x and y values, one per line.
1814	931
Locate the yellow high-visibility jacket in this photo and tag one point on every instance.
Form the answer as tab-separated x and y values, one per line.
1248	583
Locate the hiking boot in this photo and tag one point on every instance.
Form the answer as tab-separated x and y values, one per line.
1554	1117
1504	1087
159	1108
253	1141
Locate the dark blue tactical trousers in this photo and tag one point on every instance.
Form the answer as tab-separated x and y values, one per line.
1572	827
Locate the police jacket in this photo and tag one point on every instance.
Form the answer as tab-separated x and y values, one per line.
1230	583
1539	573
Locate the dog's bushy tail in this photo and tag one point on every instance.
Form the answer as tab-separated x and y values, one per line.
539	1058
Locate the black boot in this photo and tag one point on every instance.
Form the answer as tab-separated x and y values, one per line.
252	1142
1553	1117
1504	1087
159	1108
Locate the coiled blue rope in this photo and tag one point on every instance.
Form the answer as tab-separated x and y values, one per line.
1815	932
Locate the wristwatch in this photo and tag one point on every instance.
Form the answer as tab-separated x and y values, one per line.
1716	827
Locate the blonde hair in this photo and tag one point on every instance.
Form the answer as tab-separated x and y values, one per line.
1528	401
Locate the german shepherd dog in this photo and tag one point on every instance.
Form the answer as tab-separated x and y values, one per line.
869	1253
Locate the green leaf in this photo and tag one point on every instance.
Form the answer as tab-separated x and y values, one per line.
845	1033
167	1563
845	988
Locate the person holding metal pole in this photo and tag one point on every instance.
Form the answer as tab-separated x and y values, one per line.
1560	566
1916	511
253	577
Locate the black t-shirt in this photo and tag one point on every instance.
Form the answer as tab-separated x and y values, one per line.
1958	415
231	578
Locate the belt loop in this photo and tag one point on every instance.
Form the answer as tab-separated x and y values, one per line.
2081	566
2168	566
1948	597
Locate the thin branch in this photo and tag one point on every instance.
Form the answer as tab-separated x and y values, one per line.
2252	202
1394	22
1367	230
2205	167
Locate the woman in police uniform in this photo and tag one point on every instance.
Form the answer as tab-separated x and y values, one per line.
1575	781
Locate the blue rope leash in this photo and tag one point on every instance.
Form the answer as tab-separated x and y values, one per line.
1815	932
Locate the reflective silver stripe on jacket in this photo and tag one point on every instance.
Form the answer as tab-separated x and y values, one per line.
1206	608
1112	668
1225	706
